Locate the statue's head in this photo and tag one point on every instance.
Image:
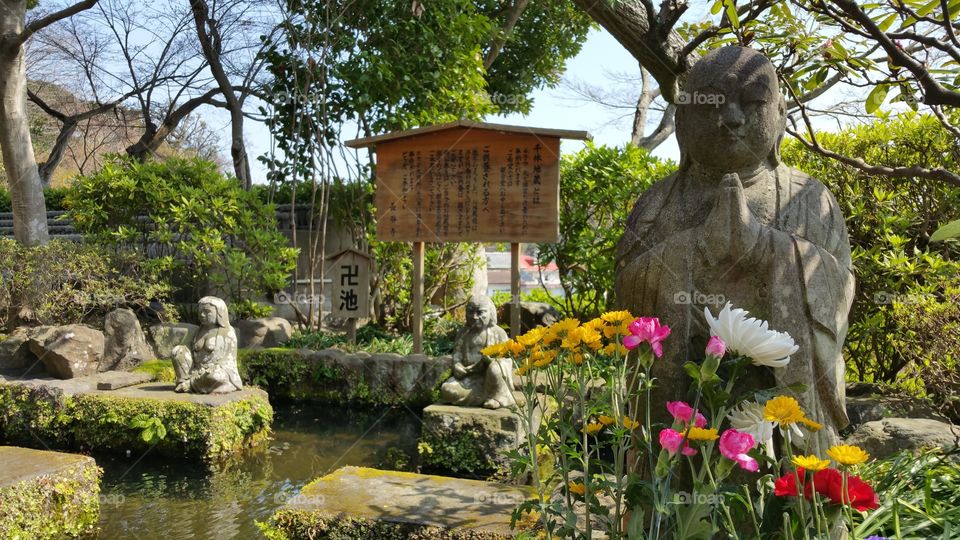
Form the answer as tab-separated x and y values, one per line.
481	313
213	312
730	114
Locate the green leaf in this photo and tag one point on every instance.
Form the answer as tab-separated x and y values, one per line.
876	98
949	231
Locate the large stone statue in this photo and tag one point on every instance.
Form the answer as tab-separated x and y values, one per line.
478	380
733	224
211	367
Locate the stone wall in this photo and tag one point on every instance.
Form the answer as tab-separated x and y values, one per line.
333	376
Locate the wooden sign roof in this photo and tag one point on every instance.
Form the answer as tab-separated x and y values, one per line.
462	123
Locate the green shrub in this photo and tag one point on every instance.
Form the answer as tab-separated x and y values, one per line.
54	198
65	282
438	339
599	186
201	228
890	221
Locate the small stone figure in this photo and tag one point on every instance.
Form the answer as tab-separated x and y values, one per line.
478	380
212	366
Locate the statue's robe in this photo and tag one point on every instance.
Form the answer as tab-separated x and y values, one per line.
798	277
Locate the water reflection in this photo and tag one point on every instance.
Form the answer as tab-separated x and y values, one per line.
156	497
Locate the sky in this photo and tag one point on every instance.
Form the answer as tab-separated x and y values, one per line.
552	108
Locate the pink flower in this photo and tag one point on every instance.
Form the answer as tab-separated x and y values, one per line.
735	445
682	413
647	330
716	347
670	440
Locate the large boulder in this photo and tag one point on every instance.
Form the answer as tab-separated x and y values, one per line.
166	336
882	438
263	333
15	352
532	314
70	351
125	346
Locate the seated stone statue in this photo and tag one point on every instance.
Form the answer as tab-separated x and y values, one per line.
734	224
478	380
211	367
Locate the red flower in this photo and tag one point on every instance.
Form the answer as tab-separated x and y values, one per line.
829	484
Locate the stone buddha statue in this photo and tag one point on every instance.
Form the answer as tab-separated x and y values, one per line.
210	367
478	380
734	224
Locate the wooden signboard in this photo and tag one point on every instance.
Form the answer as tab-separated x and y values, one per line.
349	272
468	182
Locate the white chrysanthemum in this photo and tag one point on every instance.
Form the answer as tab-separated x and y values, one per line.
748	418
750	337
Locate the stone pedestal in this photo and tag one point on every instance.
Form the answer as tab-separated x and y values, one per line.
470	441
356	502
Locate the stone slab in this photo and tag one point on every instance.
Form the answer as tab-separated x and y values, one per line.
115	380
23	464
47	495
410	498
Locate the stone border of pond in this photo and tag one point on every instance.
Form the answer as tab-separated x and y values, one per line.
334	376
47	494
150	417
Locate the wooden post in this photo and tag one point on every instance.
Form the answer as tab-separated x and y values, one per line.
515	289
352	330
418	297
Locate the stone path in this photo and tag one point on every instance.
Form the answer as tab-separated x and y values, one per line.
24	464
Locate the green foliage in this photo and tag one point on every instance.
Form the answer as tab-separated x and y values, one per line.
152	428
65	282
920	496
466	453
599	186
437	340
160	370
200	227
249	309
890	222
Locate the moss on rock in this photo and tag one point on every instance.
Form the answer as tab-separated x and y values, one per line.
104	422
333	376
304	525
60	503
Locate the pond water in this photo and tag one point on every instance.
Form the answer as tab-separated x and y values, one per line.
172	500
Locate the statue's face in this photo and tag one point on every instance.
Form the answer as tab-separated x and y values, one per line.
478	316
208	314
732	116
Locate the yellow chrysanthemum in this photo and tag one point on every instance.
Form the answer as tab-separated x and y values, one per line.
494	351
615	349
514	348
577	487
543	358
703	434
630	424
522	370
532	337
590	337
811	424
561	328
594	324
575	358
783	409
811	462
549	336
847	454
606	420
593	428
616	329
617	316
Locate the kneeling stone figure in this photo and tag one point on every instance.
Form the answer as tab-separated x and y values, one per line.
211	366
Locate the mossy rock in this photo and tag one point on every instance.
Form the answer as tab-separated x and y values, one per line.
206	428
47	494
333	376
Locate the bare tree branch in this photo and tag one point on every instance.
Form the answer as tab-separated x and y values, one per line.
34	26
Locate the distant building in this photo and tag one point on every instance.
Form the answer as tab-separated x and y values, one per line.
498	274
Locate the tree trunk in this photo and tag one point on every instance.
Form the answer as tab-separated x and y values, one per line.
26	189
